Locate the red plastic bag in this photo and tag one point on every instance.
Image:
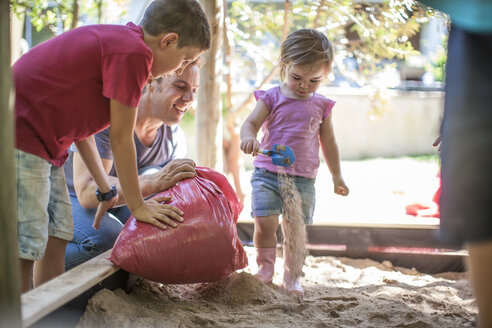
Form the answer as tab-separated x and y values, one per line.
205	247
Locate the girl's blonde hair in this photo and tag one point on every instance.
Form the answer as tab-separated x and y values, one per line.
306	47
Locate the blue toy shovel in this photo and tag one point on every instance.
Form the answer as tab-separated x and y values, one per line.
281	155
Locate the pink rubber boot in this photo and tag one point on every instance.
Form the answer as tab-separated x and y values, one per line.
291	284
265	258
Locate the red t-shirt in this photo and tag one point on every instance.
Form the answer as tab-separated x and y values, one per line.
63	86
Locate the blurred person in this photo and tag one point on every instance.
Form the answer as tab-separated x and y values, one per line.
466	149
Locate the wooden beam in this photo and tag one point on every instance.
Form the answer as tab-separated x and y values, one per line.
48	297
9	261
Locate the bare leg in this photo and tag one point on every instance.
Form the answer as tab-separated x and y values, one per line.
26	270
265	231
481	274
53	262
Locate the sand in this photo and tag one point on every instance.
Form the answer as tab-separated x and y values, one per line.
339	292
294	231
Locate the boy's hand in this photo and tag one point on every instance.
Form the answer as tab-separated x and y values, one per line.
340	187
153	212
250	145
101	209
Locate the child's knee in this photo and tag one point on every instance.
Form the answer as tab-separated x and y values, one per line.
266	224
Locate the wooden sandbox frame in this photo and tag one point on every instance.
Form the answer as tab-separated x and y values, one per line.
413	246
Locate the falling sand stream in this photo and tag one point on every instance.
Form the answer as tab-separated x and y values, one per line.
293	226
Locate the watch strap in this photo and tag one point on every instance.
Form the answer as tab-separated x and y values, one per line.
105	196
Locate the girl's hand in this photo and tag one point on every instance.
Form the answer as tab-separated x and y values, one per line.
340	187
161	215
250	145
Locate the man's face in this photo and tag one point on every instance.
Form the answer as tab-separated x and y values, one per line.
175	94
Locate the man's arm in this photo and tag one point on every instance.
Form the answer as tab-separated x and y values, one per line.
175	171
88	153
85	185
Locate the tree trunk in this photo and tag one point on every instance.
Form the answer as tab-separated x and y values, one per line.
285	31
232	152
10	312
16	29
318	13
209	129
75	14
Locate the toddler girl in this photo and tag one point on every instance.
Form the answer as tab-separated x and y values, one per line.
291	114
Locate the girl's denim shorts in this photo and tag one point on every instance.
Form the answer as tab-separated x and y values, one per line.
266	200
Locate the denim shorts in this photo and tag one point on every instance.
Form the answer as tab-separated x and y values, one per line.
43	205
266	200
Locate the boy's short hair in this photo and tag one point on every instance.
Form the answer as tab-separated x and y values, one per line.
183	17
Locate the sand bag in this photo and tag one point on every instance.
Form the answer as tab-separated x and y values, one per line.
205	247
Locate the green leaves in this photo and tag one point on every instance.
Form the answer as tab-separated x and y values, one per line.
372	32
62	14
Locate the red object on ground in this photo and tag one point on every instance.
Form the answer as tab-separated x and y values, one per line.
418	209
205	247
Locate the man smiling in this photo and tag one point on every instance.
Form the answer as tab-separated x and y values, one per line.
157	140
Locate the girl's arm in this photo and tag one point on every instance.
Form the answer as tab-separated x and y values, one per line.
251	126
332	157
125	159
88	151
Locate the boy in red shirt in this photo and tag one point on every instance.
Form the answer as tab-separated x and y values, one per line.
73	86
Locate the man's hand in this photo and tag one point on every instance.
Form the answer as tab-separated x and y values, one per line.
153	211
173	172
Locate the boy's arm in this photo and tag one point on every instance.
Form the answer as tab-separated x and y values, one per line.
88	152
251	126
329	148
124	154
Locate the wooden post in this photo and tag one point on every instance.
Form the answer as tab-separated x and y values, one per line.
209	124
10	313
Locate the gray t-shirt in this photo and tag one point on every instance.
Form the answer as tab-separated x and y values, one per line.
164	149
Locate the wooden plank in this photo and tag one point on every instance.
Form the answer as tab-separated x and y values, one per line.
401	222
48	297
360	237
9	260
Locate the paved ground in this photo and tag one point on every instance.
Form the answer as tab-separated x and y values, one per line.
379	191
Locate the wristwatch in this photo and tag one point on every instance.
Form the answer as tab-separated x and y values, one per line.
105	196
